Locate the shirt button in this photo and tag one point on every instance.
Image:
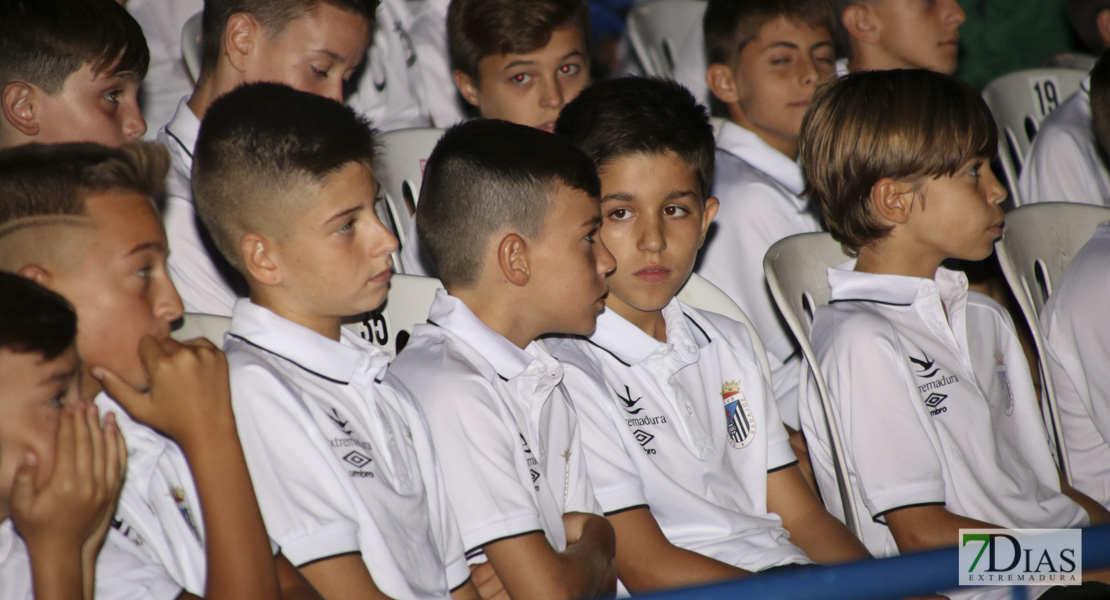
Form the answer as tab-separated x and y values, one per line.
689	409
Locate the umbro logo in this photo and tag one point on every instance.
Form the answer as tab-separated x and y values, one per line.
535	475
339	421
925	367
644	438
358	459
933	401
629	403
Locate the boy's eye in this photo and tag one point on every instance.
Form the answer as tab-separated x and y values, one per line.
521	78
675	211
347	227
57	402
569	69
973	170
318	72
620	214
144	272
113	96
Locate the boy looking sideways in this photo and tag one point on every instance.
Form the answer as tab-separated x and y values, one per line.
290	203
80	219
899	34
730	498
929	385
312	45
60	471
766	59
71	72
509	216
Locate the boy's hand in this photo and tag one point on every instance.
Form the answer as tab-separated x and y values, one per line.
575	523
487	582
188	396
74	508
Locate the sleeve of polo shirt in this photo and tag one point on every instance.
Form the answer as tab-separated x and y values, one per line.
1061	168
616	482
123	572
307	512
880	416
580	488
779	452
477	453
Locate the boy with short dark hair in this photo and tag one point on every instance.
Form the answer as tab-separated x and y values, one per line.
70	73
312	45
357	501
509	216
930	388
766	58
655	368
80	219
60	471
899	34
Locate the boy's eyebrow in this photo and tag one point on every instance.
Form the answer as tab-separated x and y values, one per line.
343	213
521	63
329	54
592	223
782	44
624	196
152	246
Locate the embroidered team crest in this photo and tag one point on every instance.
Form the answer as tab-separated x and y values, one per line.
178	495
1004	381
738	415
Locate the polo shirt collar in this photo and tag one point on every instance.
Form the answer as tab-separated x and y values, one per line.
631	345
846	284
455	316
7	539
748	146
183	128
338	361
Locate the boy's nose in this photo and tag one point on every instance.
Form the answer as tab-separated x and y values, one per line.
606	264
134	125
651	237
169	306
552	96
954	13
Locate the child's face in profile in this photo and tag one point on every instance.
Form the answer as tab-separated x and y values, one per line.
33	391
775	77
335	261
958	216
120	290
568	264
920	34
530	89
316	53
654	222
92	107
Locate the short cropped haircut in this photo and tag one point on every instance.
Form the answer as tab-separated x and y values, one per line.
640	115
36	320
480	28
56	180
730	24
487	175
905	124
262	144
272	15
1100	100
43	42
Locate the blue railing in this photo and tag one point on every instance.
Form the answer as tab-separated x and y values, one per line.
916	574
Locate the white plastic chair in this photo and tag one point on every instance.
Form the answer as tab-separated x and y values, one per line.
210	327
1036	247
190	45
407	305
701	294
400	172
1020	102
657	28
796	270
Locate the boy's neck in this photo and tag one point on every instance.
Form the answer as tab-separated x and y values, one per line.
210	87
788	147
650	322
500	314
90	388
888	257
327	326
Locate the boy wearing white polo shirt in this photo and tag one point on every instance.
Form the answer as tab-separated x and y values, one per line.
80	219
930	389
682	396
509	217
766	58
314	46
356	498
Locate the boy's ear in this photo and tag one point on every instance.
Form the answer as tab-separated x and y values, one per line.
37	273
241	39
1102	19
259	259
466	87
18	104
722	83
892	200
859	19
512	258
711	206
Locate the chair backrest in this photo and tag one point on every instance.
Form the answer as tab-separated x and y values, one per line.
796	269
657	28
190	45
209	327
400	171
407	305
1037	246
1020	102
701	294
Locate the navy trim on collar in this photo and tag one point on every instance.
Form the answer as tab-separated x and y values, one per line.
839	300
607	351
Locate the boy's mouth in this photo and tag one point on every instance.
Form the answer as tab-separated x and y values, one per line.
653	273
383	276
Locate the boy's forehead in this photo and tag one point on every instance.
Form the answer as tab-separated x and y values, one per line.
565	43
126	216
20	371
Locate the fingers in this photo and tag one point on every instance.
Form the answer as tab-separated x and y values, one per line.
65	459
132	400
23	486
84	462
115	455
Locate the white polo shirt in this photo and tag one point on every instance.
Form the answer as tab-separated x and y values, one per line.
507	434
1076	326
429	38
1063	164
340	455
389	93
167	79
122	573
932	410
204	279
699	423
758	187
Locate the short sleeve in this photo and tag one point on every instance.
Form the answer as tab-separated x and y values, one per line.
1063	166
